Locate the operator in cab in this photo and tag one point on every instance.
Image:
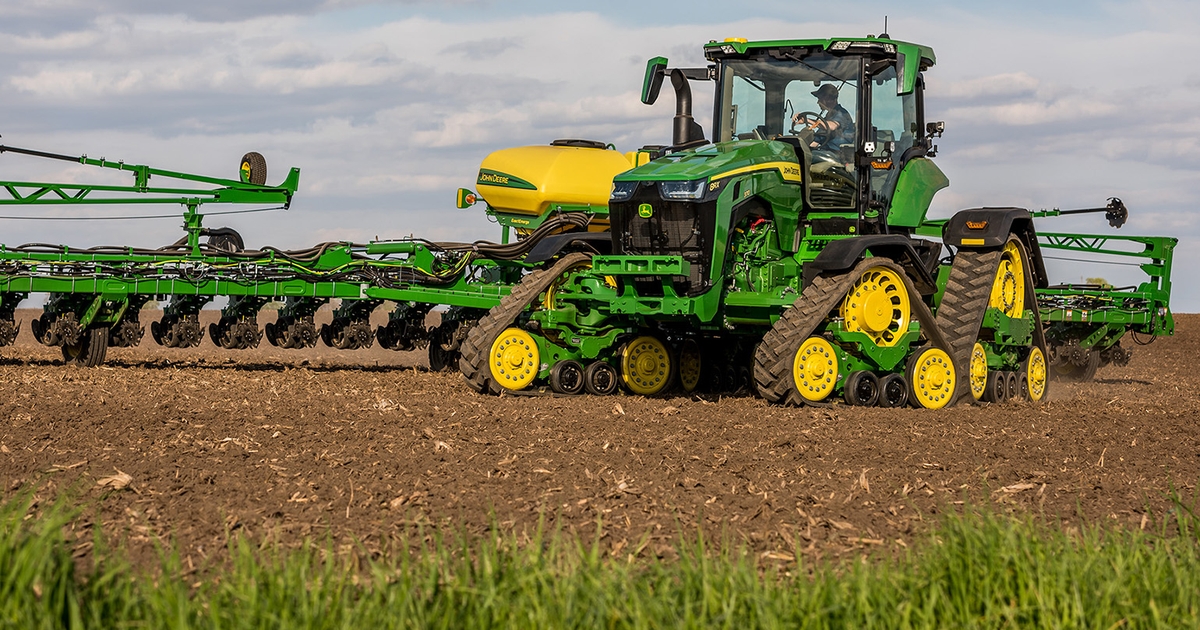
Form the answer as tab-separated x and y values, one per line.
835	127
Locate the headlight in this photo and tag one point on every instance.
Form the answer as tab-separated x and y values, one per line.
682	190
622	191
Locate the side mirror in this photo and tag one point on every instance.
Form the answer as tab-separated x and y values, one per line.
465	198
656	68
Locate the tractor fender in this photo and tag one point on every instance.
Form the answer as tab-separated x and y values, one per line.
551	246
988	228
843	254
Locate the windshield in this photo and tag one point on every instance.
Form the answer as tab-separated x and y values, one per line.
811	102
763	95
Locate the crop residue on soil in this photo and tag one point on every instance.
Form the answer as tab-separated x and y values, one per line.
369	446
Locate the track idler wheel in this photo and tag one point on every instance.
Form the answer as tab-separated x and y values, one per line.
514	359
646	366
815	369
931	378
600	379
1035	374
862	389
566	377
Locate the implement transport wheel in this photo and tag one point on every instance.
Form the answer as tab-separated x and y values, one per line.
862	389
1034	370
91	349
893	391
878	306
566	377
1008	287
977	371
815	369
600	379
690	364
931	378
646	366
253	169
514	359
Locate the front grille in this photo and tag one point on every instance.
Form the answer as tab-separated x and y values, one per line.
674	228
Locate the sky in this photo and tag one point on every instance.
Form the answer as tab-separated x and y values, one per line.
389	107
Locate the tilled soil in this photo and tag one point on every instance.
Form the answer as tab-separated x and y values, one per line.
370	447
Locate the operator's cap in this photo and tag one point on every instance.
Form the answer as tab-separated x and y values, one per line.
826	91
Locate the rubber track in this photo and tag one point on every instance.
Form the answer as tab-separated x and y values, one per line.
775	354
475	349
964	302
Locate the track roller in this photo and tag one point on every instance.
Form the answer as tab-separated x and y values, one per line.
600	379
566	377
690	365
893	391
862	389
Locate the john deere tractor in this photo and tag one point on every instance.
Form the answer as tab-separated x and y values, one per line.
788	253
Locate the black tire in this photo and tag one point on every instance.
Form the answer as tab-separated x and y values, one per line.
600	379
861	389
253	169
996	390
566	377
1014	387
91	349
893	391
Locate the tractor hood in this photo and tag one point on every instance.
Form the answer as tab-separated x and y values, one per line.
705	167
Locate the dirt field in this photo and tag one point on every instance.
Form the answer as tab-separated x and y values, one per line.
369	446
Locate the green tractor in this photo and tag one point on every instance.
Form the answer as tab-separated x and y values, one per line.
789	254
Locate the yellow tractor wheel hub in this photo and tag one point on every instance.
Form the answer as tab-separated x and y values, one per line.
514	359
645	366
1008	288
933	379
1035	373
978	371
815	369
878	305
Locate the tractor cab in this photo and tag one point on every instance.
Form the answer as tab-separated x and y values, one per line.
851	110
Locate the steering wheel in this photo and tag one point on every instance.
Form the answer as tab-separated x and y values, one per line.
805	119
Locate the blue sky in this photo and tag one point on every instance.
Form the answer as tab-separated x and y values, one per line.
389	107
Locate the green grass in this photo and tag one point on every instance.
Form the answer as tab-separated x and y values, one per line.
977	570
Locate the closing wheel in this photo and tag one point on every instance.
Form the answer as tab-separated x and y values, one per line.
893	391
931	378
690	364
815	369
600	379
515	359
878	306
566	377
91	349
997	387
978	371
1034	369
862	389
645	366
1008	287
